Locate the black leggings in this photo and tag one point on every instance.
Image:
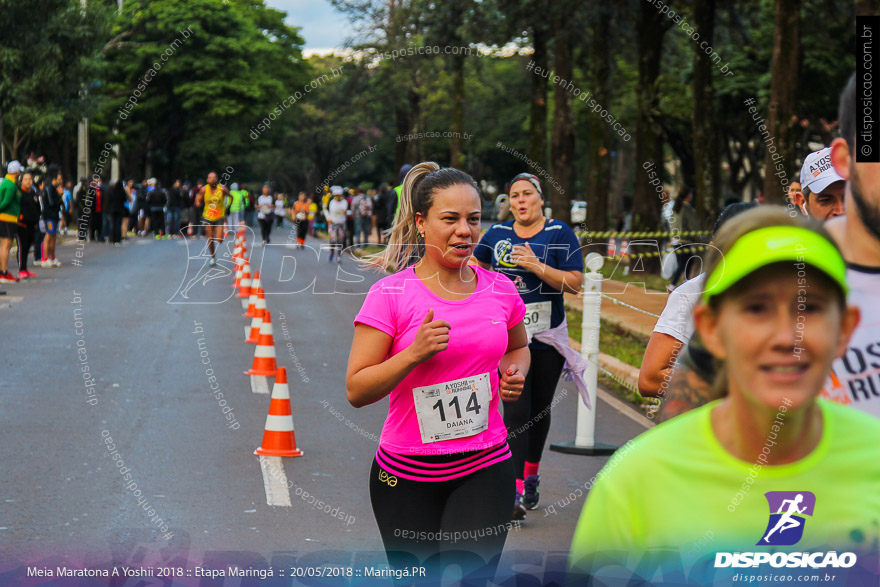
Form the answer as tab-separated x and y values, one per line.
462	521
157	221
528	418
25	241
266	228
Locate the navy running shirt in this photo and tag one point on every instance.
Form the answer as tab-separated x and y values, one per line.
556	245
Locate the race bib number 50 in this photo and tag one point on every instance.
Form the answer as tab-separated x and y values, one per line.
454	409
537	318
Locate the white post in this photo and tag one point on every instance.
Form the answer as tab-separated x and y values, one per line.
586	418
585	431
82	148
114	163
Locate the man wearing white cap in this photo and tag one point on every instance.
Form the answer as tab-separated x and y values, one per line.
822	190
10	203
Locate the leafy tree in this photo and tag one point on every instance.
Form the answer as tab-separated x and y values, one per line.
222	69
49	64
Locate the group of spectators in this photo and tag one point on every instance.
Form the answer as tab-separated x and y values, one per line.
36	204
350	215
33	210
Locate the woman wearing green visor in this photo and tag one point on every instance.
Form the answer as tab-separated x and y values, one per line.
769	468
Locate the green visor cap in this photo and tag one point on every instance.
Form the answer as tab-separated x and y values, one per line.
775	244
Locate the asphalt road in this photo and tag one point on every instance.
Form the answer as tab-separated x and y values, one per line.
147	389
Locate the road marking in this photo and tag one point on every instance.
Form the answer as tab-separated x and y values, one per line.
624	409
247	332
260	384
275	481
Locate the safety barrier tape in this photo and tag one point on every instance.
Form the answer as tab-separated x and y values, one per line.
615	234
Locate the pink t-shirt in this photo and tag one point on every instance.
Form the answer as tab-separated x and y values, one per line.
397	305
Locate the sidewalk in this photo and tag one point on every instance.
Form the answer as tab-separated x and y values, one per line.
634	294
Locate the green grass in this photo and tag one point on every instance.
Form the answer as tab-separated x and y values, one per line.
619	343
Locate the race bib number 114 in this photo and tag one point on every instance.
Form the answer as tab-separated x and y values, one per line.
454	409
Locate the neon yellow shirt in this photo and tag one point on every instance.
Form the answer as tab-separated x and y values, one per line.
676	488
214	203
237	200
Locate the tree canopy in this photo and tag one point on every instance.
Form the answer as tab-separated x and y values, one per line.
185	86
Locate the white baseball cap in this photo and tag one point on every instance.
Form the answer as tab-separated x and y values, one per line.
14	167
336	190
817	172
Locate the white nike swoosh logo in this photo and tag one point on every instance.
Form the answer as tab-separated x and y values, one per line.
497	322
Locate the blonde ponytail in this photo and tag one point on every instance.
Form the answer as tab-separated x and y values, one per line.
404	247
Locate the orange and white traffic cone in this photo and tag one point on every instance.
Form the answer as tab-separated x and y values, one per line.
244	286
279	439
256	304
612	248
264	329
264	356
255	282
624	247
239	269
255	307
256	324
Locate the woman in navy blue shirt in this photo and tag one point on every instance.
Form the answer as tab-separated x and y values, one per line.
543	259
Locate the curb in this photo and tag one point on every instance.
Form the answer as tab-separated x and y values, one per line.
625	372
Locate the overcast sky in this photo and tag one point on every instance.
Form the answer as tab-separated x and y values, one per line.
320	25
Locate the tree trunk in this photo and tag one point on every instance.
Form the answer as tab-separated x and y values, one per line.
706	166
599	156
867	7
67	160
783	96
562	143
148	159
456	158
401	120
414	115
649	145
538	109
18	140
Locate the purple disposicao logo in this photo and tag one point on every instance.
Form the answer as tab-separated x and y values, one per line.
788	516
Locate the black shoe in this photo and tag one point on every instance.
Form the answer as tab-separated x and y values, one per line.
530	496
519	510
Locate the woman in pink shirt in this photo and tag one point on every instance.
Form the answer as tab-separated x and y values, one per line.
433	337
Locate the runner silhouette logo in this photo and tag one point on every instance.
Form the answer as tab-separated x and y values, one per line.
788	511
